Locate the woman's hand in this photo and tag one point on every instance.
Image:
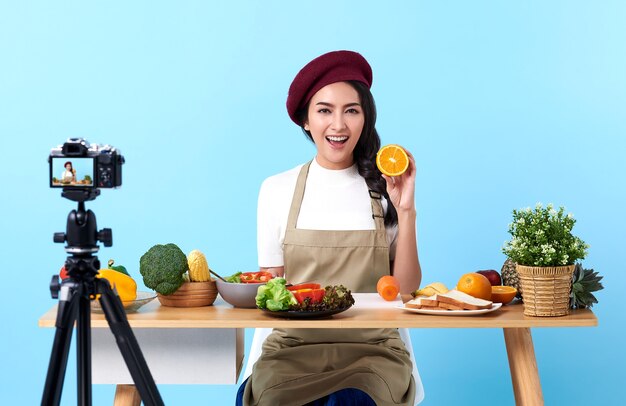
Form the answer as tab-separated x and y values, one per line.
401	189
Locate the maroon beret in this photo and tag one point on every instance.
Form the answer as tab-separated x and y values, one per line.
336	66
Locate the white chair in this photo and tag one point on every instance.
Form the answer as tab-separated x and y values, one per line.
260	334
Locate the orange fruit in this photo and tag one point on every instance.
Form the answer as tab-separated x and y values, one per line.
475	284
392	160
388	287
502	294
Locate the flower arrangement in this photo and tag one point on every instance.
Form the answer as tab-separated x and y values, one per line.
543	237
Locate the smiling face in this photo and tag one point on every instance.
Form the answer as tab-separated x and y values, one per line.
335	120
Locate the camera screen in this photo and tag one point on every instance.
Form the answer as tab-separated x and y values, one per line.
71	172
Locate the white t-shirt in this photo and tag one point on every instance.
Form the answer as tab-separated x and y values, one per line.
333	200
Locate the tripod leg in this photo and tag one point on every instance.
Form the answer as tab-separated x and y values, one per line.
83	349
128	345
67	313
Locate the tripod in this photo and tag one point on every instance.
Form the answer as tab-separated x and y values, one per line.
75	295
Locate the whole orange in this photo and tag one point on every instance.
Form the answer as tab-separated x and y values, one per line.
475	284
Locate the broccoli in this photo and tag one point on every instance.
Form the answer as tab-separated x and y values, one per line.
162	268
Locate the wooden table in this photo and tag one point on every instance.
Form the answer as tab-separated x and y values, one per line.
516	328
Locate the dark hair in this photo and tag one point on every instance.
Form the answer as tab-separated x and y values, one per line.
68	162
366	149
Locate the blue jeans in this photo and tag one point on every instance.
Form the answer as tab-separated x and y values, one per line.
343	397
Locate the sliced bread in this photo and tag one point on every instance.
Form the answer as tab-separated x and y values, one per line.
463	300
422	302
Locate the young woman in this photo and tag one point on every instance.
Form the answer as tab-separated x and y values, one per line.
69	174
336	220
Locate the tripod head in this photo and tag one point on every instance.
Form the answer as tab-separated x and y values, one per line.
82	238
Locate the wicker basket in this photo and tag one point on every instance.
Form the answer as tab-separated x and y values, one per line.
191	294
545	290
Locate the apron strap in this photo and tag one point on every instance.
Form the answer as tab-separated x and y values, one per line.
298	195
377	210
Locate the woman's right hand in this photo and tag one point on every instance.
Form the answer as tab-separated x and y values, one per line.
401	189
275	270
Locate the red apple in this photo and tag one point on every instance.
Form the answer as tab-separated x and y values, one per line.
493	276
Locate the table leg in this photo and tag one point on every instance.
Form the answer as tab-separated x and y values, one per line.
126	395
523	365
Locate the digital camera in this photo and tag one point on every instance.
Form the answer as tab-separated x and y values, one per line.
79	165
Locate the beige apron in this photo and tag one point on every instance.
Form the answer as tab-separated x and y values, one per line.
298	366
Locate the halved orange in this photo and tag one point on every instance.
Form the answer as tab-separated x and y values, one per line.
502	294
392	160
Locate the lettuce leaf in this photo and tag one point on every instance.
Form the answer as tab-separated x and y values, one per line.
274	296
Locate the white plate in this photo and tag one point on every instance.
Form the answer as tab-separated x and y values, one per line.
444	312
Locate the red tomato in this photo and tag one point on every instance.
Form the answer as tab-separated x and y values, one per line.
255	277
315	295
304	286
63	273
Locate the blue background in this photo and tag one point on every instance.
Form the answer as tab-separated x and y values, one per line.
504	104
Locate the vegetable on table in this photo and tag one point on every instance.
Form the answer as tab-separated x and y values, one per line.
198	267
307	285
274	296
255	277
335	297
234	278
311	291
388	287
313	295
118	268
63	273
162	268
125	285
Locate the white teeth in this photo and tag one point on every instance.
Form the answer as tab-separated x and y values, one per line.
337	139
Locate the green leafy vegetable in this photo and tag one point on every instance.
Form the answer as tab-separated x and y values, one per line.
234	278
274	296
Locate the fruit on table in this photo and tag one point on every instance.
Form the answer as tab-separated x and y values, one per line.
431	289
493	276
388	287
502	294
392	160
476	285
510	277
125	285
198	267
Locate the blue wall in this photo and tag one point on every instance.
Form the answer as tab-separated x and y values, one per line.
502	104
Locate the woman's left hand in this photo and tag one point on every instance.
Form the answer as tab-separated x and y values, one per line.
401	189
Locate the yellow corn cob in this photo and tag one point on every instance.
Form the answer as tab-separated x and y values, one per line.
198	267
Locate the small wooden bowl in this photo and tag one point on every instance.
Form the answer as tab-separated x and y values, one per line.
191	294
